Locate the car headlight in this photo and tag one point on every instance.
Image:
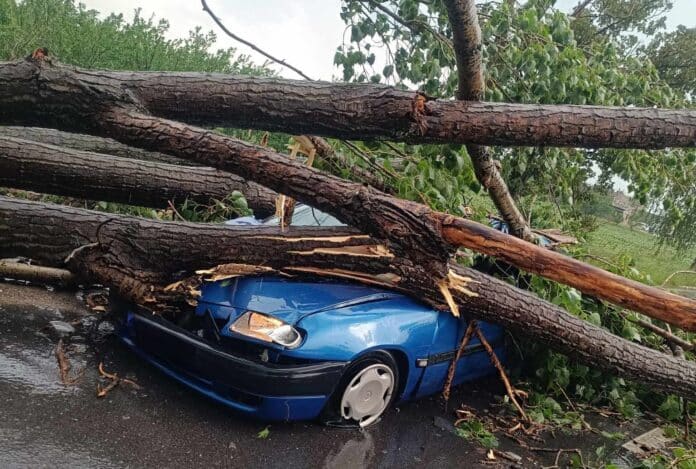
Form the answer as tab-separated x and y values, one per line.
266	328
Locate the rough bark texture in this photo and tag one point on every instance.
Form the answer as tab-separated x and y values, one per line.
411	230
106	146
466	35
155	252
62	171
350	111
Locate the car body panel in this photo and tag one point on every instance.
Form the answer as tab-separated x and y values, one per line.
339	321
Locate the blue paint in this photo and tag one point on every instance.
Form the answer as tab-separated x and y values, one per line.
339	322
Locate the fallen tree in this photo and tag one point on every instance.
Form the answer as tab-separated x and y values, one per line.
94	102
106	146
142	257
40	167
348	111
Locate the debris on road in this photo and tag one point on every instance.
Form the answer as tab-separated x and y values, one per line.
64	366
114	381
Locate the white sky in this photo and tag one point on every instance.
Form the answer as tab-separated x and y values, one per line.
303	32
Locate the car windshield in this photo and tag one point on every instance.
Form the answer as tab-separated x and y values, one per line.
304	215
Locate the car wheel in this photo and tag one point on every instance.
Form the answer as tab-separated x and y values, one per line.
366	390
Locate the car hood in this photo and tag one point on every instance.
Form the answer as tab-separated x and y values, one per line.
288	299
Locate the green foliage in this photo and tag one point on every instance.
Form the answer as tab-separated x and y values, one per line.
475	430
78	36
674	56
680	458
621	20
264	434
531	55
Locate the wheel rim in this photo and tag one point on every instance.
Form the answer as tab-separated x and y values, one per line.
368	394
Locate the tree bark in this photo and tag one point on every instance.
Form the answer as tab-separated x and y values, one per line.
466	35
150	254
106	146
410	230
349	111
36	274
62	171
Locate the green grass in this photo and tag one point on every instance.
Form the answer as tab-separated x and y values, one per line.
611	240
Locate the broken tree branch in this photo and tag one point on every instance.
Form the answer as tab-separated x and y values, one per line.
96	103
36	274
349	111
106	146
152	254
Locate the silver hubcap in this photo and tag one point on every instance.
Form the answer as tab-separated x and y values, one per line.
368	394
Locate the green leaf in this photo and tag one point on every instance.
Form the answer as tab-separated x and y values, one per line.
263	434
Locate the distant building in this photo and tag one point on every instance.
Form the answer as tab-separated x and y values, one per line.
625	205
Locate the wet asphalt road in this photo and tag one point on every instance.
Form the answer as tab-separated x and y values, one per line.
46	424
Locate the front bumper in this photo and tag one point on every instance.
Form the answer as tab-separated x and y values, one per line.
264	390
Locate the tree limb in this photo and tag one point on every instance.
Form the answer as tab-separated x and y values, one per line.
467	43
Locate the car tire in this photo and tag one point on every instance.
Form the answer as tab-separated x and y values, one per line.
366	390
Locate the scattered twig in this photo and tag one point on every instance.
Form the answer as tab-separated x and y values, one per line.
114	381
64	366
175	211
512	393
453	365
669	277
249	44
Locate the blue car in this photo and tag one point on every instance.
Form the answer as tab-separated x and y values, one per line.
279	348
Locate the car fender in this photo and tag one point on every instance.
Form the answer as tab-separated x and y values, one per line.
401	325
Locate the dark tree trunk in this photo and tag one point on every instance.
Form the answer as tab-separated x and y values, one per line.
93	102
55	170
467	45
106	146
350	111
412	230
141	256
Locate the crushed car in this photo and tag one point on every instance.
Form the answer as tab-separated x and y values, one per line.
279	348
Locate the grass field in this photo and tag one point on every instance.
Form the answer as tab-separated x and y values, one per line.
610	240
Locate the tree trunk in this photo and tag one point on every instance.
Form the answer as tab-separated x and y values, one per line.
106	146
141	256
466	35
349	111
54	170
93	102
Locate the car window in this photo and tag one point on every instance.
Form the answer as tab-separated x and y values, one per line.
305	215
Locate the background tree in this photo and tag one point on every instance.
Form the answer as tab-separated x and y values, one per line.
533	53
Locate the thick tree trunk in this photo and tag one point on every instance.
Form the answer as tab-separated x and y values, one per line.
467	45
106	146
55	170
412	230
350	111
141	256
93	102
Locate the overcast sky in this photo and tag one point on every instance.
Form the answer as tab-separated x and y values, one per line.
303	32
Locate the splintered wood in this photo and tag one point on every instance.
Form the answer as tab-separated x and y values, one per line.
459	283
